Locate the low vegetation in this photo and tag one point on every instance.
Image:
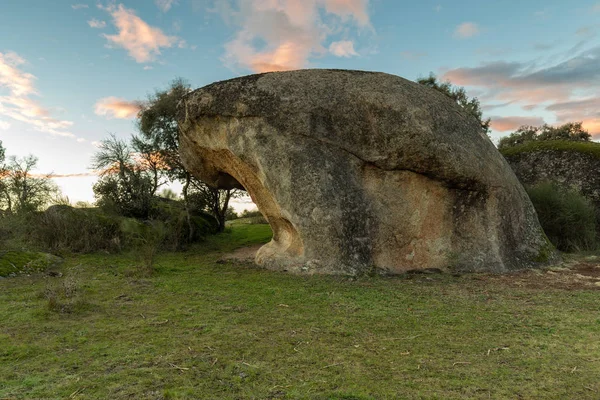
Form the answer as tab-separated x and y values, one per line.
530	135
584	147
200	328
63	229
16	263
567	217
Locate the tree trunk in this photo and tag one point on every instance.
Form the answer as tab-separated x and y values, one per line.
186	187
222	208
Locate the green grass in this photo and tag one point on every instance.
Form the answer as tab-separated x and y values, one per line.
200	329
591	148
25	262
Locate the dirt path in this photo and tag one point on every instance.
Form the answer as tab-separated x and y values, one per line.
575	272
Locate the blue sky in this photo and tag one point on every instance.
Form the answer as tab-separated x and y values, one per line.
70	70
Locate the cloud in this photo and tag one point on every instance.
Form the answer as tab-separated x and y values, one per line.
142	41
76	175
351	9
16	102
279	35
114	107
165	5
596	8
585	110
79	6
4	125
568	89
437	8
95	23
148	68
504	124
344	48
466	30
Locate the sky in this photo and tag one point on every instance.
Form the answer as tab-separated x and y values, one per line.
71	71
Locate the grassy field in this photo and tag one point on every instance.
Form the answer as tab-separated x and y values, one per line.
97	328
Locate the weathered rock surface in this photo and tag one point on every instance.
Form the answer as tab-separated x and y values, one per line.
568	165
359	170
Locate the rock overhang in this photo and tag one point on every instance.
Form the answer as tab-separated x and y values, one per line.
356	170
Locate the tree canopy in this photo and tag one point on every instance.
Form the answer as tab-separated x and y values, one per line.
157	123
20	189
125	185
570	131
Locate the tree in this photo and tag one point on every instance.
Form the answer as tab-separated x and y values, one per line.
2	154
157	122
4	195
125	185
150	160
24	191
459	95
570	131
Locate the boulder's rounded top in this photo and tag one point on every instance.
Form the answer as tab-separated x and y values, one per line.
380	118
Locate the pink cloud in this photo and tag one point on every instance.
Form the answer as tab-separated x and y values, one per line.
356	9
568	89
114	107
344	48
290	32
17	103
505	124
142	41
466	30
585	110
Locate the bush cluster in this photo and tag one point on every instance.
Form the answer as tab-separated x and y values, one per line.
568	218
63	228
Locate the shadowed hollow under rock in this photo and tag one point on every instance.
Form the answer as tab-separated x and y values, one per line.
360	170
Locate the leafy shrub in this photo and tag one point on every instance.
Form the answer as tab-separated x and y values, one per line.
65	295
568	218
145	237
64	228
180	231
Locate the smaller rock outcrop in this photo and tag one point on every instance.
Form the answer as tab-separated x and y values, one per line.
573	165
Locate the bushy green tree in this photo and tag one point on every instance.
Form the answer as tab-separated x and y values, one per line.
459	95
570	131
125	186
24	191
157	122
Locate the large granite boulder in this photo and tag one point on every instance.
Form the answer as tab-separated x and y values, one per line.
358	171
